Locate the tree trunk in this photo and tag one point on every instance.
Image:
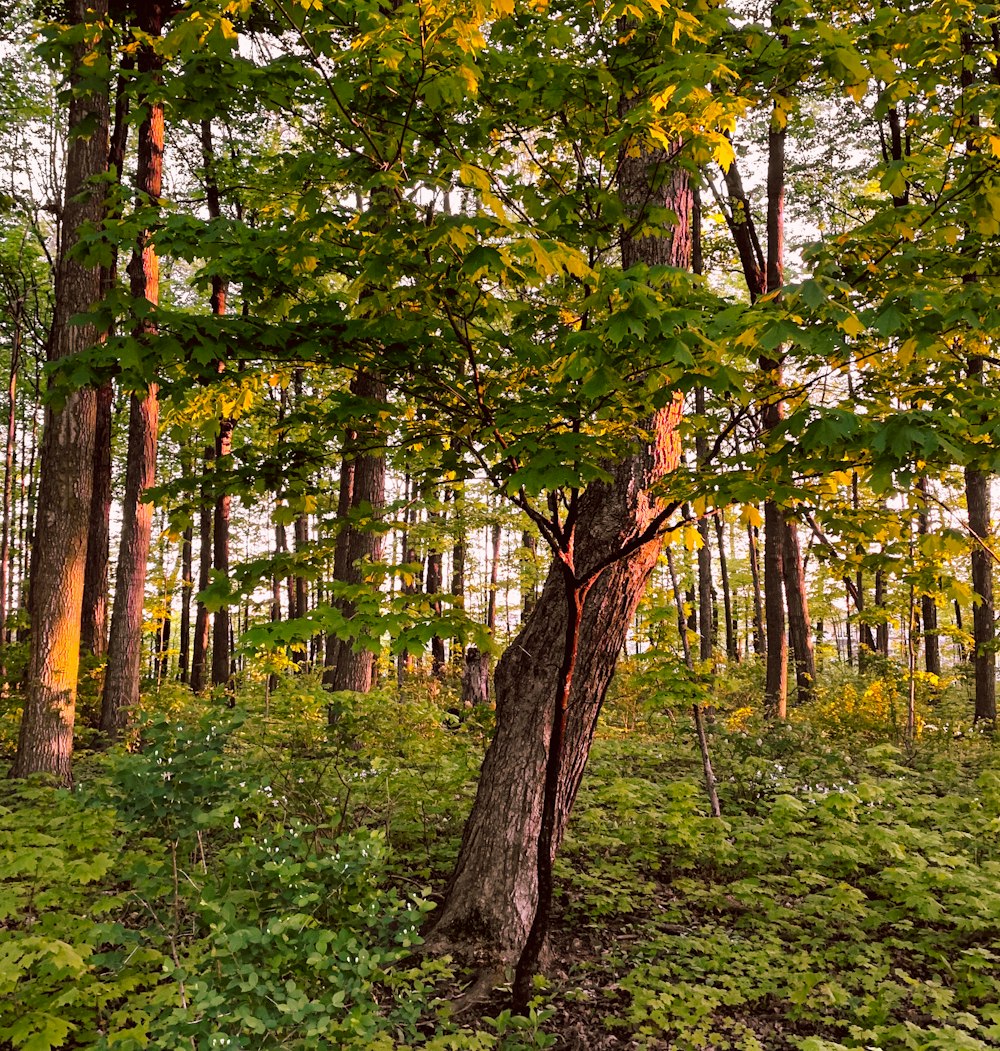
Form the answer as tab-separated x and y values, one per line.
458	570
706	611
799	625
928	607
199	649
882	628
977	495
475	678
222	670
163	636
45	741
95	585
221	663
121	685
355	664
8	476
491	599
732	644
434	583
187	586
94	635
529	571
758	600
776	684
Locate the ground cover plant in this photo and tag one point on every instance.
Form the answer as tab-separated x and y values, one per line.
257	878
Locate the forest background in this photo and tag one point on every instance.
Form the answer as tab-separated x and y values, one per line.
543	335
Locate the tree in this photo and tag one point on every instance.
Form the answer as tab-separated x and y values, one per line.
551	682
121	684
45	742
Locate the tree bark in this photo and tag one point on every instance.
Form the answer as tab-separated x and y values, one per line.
732	644
758	601
797	602
776	683
187	586
928	607
355	665
706	612
221	663
95	585
496	533
199	648
977	495
475	678
121	685
458	570
94	634
8	473
45	741
434	582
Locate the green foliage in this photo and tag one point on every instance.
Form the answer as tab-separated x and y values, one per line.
64	949
847	898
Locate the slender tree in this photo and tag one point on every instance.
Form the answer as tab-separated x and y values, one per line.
121	685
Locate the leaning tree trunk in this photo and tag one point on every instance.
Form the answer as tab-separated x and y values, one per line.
45	743
493	896
121	685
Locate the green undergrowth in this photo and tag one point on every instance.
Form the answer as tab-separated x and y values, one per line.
258	877
848	898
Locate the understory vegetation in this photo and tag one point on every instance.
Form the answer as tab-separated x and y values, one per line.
258	878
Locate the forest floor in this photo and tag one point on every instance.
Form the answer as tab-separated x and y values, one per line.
250	879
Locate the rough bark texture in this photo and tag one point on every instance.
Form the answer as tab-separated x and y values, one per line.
475	678
121	685
493	895
45	743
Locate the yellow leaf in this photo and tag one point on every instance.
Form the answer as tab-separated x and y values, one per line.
750	515
852	325
691	537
